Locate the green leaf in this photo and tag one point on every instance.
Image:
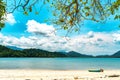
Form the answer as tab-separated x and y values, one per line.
30	9
76	29
65	27
84	3
87	14
61	20
48	0
80	0
36	13
25	12
86	7
2	25
116	17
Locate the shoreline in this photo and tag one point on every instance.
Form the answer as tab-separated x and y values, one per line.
30	74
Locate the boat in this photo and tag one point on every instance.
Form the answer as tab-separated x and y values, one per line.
96	70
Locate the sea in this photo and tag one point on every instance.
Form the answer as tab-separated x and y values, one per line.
60	63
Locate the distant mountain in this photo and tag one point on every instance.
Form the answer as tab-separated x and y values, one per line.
17	52
7	52
75	54
103	56
117	54
14	48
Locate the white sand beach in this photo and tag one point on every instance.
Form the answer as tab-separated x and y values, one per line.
58	75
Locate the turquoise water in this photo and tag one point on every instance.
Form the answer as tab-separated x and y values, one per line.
59	63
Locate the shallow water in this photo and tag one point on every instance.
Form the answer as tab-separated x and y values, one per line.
60	63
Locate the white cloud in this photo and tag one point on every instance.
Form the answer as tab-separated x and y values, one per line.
40	29
10	19
117	38
91	43
100	43
90	34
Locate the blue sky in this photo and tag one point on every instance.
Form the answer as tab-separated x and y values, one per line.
33	31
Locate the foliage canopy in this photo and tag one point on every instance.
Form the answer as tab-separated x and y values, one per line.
2	13
69	14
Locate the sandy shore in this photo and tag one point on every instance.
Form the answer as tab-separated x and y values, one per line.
58	75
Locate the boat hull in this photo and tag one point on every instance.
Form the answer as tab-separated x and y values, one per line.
99	70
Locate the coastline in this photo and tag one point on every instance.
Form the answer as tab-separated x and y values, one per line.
29	74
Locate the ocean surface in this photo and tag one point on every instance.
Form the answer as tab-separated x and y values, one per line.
60	63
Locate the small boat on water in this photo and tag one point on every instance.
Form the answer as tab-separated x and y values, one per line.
96	70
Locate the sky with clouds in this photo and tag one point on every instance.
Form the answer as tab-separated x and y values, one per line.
33	32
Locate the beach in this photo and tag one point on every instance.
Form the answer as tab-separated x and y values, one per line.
28	74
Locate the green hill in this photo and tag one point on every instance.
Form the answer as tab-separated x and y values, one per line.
75	54
7	52
117	54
